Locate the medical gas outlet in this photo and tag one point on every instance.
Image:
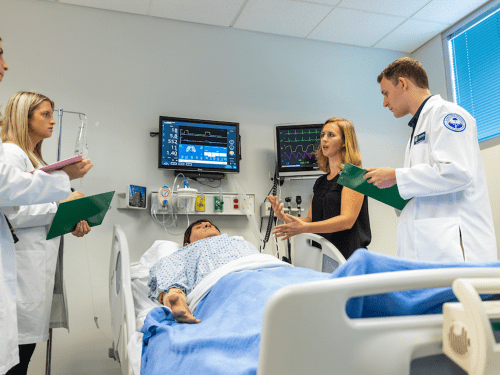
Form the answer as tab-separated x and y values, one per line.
218	204
210	203
200	203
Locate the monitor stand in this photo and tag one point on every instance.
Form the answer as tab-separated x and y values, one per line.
195	175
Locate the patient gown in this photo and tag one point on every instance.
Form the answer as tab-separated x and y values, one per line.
185	268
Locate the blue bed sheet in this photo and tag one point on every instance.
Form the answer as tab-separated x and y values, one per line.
227	339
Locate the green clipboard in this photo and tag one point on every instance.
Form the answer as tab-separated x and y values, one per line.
352	177
92	209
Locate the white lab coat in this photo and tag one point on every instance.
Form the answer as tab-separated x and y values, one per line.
36	259
18	188
443	173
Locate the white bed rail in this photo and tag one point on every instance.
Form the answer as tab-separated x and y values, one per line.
120	300
468	337
325	258
306	327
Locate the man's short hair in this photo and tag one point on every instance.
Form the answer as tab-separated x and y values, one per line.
187	233
405	67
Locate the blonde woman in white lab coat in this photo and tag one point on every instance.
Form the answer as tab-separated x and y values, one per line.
21	188
449	216
28	121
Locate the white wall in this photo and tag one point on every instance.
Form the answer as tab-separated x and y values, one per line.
124	71
431	57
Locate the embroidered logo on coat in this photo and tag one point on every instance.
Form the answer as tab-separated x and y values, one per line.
454	122
419	138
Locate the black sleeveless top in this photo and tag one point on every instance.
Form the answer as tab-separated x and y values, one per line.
326	204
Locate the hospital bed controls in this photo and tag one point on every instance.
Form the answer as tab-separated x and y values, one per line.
470	327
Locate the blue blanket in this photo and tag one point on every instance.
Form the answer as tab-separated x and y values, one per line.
227	339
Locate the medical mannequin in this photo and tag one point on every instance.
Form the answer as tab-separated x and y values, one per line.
177	275
27	122
21	188
448	217
337	213
175	298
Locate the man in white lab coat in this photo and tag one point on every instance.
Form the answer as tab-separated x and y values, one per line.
20	188
449	216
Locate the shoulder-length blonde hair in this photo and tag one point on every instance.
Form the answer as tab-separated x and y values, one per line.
15	123
349	153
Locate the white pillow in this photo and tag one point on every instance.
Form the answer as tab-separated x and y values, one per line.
159	250
139	273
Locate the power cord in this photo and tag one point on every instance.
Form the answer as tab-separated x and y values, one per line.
271	213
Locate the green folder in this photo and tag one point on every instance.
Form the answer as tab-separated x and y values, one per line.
352	177
92	209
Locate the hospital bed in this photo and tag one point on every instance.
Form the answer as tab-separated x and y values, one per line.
328	343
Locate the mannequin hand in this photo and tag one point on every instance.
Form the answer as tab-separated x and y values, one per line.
176	302
293	227
381	177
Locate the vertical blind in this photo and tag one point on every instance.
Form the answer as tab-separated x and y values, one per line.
474	52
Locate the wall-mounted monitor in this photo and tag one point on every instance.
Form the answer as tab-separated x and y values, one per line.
200	146
295	149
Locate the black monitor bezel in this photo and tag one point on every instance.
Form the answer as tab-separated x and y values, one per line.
297	171
199	169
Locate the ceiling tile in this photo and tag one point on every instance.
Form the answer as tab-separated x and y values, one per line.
448	11
213	12
284	17
411	35
127	6
390	7
355	27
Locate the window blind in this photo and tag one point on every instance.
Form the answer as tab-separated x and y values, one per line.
474	52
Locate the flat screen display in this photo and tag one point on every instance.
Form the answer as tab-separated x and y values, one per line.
198	145
296	146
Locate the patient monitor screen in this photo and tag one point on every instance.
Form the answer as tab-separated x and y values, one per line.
202	145
296	146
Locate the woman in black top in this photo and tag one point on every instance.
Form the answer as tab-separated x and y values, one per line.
337	213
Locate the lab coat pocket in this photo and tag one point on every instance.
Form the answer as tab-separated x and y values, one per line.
438	239
31	270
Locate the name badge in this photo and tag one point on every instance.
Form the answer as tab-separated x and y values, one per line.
419	138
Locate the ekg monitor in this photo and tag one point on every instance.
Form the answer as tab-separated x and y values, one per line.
295	149
198	145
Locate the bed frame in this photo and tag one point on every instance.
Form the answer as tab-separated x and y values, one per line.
329	341
315	252
121	301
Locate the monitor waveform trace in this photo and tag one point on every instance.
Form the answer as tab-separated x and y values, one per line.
199	136
298	147
299	155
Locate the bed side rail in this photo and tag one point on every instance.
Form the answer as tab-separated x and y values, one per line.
306	328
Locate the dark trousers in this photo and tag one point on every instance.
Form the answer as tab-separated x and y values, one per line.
25	353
